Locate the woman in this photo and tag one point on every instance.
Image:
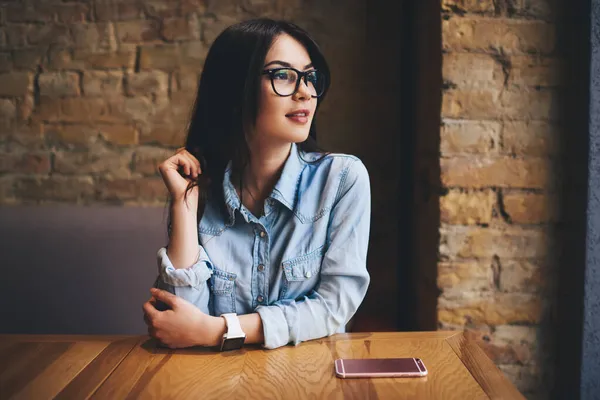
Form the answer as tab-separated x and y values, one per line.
264	230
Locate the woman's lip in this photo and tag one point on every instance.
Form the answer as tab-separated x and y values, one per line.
297	119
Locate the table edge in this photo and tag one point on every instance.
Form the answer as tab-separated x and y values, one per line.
494	383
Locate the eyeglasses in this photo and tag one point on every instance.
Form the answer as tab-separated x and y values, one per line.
286	81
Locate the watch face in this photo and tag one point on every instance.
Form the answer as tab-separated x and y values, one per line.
233	343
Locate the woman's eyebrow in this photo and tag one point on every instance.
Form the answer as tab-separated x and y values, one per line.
286	64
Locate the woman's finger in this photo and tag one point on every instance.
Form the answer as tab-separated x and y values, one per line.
194	164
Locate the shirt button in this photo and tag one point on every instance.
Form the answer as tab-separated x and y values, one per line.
262	234
260	299
308	274
261	267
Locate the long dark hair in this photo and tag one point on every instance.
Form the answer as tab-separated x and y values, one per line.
226	105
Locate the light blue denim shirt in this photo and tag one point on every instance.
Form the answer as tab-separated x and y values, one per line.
301	266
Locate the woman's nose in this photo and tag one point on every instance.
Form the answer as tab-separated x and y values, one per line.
303	91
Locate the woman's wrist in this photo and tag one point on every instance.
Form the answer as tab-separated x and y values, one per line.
187	205
216	329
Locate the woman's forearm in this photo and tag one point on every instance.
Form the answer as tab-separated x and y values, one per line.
183	243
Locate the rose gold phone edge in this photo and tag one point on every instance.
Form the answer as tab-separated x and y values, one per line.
339	371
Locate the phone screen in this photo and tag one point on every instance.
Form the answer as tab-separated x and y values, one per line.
380	365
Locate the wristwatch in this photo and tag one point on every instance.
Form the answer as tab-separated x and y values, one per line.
235	337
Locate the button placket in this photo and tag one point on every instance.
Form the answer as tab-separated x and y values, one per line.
261	258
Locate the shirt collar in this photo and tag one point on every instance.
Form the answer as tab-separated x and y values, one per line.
285	190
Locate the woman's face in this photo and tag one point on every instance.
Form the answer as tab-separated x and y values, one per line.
285	119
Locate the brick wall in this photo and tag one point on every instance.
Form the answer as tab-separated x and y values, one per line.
93	94
500	171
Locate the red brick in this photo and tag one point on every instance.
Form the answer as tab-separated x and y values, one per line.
459	241
525	104
28	13
137	31
480	172
72	13
8	114
464	275
23	138
160	57
6	62
535	71
535	138
541	9
45	35
193	54
119	134
16	35
461	137
29	58
54	84
176	110
97	160
27	163
124	58
488	308
466	208
506	354
181	28
95	38
524	277
163	134
194	6
82	135
162	8
530	208
83	59
139	109
213	28
147	82
55	188
467	70
48	110
474	6
113	10
82	109
185	80
472	104
103	83
187	55
496	104
498	34
146	160
16	83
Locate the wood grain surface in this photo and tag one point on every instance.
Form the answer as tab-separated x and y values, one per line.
131	367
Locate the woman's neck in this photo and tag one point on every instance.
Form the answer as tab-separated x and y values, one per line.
265	167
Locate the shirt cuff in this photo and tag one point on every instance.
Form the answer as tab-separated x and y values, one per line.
275	326
193	276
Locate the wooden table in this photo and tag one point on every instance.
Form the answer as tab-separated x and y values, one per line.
102	367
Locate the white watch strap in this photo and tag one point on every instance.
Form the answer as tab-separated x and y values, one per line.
234	329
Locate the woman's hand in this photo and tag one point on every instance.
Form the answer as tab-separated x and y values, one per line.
177	184
184	325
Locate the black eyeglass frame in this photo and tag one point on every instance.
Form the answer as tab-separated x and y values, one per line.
302	75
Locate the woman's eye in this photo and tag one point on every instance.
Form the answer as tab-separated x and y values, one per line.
312	78
281	75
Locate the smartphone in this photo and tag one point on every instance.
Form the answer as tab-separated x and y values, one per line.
380	367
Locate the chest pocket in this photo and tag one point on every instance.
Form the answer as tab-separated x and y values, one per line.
301	274
222	288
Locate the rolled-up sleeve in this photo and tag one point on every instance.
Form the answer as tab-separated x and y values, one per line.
190	283
343	278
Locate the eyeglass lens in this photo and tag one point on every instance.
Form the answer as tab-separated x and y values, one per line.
284	82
